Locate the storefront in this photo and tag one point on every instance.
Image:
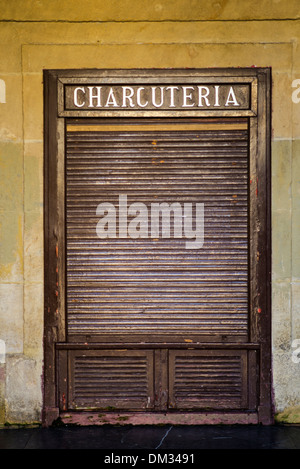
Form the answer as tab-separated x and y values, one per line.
157	245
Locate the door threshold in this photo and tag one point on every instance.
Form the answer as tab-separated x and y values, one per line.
158	418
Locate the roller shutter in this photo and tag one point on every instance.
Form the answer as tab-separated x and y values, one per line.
156	287
142	289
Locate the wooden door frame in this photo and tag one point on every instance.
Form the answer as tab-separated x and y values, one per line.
259	233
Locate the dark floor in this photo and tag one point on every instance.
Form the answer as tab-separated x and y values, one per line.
162	438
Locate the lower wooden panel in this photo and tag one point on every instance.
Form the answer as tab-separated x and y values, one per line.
169	380
208	379
110	379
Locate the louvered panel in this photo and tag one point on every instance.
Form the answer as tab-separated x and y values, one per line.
111	379
156	285
211	379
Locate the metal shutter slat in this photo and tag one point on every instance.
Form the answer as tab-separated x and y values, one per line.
157	286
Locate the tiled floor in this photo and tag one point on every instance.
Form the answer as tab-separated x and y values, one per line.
163	438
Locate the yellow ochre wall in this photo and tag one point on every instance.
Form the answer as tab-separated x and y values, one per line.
43	34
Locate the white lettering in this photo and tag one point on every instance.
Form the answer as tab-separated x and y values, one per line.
160	219
159	458
111	96
138	97
2	92
187	96
203	96
198	232
127	97
296	93
161	96
96	96
116	459
123	216
108	221
217	104
138	227
2	351
296	353
172	89
76	97
233	100
165	209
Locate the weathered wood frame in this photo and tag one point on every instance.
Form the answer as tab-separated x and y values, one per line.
259	230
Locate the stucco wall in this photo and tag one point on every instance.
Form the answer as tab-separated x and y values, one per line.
37	35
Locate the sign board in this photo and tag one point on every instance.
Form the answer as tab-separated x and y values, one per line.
169	95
